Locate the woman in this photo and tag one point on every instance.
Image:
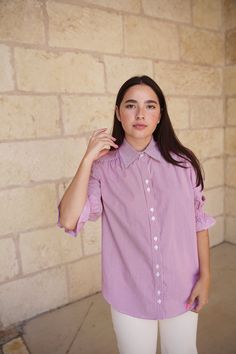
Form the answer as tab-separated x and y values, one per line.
155	246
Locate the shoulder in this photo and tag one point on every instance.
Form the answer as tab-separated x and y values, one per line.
110	156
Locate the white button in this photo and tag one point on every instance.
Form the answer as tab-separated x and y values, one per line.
151	209
158	274
155	238
146	180
153	218
158	292
148	189
159	301
156	247
157	265
141	155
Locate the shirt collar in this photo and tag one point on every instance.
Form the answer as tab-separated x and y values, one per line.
129	154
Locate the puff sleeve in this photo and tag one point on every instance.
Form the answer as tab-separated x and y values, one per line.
93	206
202	219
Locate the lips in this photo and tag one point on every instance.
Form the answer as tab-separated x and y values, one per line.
139	125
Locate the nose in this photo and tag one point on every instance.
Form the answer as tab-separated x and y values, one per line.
140	113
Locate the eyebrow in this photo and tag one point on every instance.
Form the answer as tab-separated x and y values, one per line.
147	101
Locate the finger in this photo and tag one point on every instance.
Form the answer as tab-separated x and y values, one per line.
95	132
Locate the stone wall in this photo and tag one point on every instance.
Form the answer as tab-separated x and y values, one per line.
62	63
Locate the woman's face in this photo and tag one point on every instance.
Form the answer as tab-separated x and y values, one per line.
140	105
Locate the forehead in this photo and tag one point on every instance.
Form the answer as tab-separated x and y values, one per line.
140	92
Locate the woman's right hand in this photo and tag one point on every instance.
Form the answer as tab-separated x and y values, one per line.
99	144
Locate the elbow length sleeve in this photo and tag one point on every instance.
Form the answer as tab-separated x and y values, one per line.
93	207
203	220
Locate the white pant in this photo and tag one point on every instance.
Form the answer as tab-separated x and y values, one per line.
139	336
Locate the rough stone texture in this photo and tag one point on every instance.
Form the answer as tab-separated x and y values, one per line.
50	71
35	294
146	37
188	79
230	141
201	46
195	138
207	13
230	168
230	47
178	10
84	277
26	208
6	72
206	112
230	111
35	161
229	13
230	80
38	117
121	69
74	26
178	110
27	27
8	260
43	249
87	113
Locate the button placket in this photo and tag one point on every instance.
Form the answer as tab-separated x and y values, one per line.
154	226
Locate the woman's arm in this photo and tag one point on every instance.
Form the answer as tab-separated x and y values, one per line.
201	288
203	253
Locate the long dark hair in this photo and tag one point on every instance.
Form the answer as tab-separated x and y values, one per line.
164	134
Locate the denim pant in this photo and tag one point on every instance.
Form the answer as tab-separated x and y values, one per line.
139	336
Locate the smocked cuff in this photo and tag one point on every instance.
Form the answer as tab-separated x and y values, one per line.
204	222
84	216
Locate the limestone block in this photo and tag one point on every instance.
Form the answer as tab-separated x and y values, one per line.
230	227
84	28
188	79
230	80
230	169
24	208
178	10
35	295
22	21
230	140
8	261
45	248
87	113
206	112
150	38
230	201
207	13
121	5
216	234
25	117
201	46
214	172
6	71
36	161
229	13
230	47
205	143
50	71
231	110
84	277
178	110
118	70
